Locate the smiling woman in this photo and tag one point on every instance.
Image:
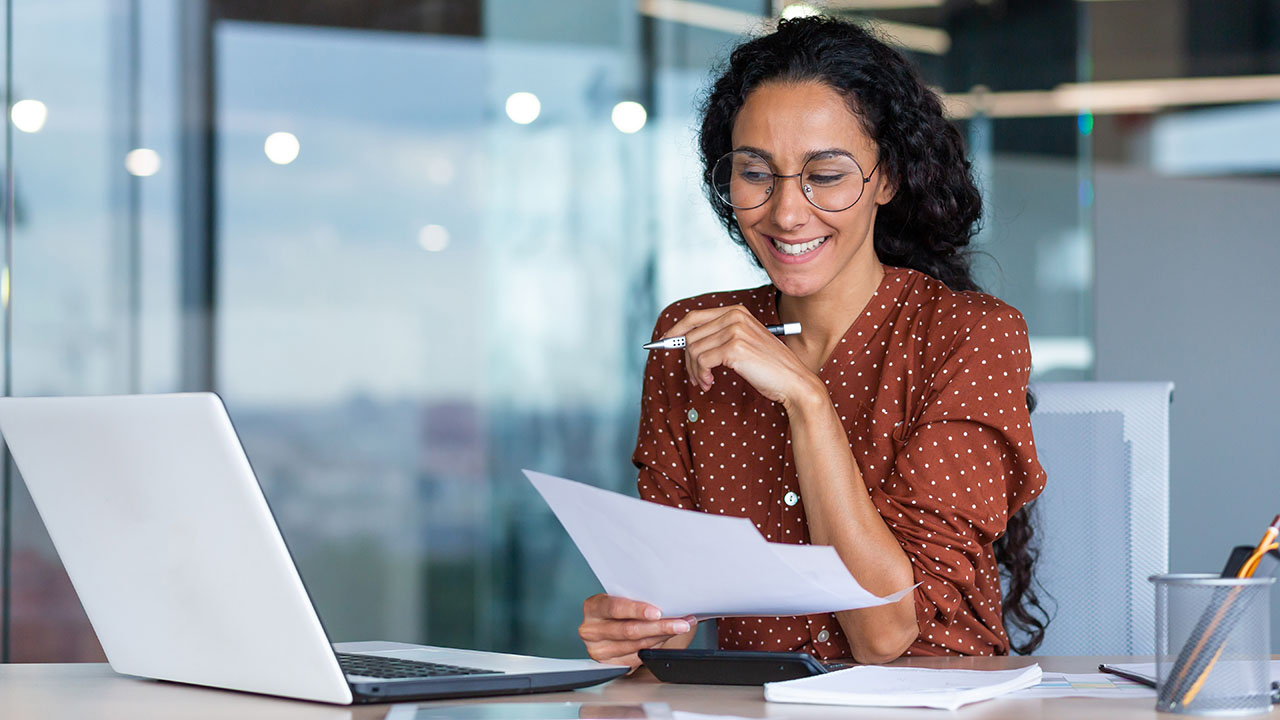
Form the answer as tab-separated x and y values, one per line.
896	427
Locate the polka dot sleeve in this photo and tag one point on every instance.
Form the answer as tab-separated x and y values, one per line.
661	453
965	464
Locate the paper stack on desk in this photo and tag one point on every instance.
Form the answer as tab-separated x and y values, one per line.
880	686
694	563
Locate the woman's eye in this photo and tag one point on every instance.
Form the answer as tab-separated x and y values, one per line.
826	178
753	176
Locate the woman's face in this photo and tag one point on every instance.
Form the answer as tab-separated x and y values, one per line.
786	124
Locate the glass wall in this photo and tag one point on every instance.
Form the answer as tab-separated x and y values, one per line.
416	245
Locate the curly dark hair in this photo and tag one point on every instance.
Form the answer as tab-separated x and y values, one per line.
928	224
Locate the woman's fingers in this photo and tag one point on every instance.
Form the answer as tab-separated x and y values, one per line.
709	328
613	607
726	343
698	359
623	653
614	629
691	320
715	352
631	630
698	323
617	643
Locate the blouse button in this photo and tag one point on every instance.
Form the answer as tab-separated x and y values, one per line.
791	498
824	636
693	415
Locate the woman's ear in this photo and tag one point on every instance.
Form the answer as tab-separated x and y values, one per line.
886	189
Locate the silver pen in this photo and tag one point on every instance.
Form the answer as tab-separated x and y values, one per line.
675	343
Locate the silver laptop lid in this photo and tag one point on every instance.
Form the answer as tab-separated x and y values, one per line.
163	529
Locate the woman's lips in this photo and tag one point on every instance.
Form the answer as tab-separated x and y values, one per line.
793	258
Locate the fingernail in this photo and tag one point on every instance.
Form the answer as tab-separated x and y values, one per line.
651	614
681	626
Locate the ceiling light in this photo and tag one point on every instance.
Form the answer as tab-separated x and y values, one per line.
281	147
881	4
142	162
523	107
919	38
629	116
701	14
433	238
798	10
1115	97
29	115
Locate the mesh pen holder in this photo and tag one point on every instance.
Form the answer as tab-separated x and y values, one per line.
1213	638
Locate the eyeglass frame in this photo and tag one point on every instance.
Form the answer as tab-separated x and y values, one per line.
776	177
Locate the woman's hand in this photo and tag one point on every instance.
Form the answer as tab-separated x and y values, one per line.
614	629
733	337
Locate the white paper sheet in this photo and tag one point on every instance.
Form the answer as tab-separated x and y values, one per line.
1083	685
694	563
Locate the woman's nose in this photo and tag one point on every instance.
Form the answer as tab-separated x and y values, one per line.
789	208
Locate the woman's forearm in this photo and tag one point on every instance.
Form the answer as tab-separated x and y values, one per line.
840	513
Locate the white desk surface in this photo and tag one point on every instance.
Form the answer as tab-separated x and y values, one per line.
89	691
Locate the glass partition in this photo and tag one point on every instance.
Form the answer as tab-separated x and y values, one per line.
92	240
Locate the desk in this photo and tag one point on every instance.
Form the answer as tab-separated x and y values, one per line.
92	691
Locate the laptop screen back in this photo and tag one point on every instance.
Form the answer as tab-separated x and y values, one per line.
164	531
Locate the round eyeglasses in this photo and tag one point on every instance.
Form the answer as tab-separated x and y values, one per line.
832	181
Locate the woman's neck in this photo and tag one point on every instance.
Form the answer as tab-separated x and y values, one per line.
827	315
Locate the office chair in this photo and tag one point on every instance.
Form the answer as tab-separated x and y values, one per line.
1103	519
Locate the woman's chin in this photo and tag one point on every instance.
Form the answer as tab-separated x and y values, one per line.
789	284
792	277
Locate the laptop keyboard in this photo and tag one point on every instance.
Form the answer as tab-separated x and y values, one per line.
392	668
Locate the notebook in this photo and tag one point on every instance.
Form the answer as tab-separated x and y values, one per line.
881	686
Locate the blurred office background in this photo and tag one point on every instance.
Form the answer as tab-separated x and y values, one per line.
416	244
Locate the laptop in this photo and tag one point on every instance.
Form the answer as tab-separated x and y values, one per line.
157	516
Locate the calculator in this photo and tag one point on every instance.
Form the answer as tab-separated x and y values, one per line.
732	667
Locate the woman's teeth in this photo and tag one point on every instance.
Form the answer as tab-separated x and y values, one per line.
797	248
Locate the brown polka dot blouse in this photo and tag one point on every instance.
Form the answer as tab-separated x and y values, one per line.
931	388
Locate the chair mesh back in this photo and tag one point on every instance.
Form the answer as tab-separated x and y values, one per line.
1103	519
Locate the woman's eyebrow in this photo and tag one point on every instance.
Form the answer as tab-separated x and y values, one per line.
807	156
762	153
829	151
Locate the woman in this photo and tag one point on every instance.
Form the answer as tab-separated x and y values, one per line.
895	427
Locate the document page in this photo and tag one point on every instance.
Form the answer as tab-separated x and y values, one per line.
1084	685
693	563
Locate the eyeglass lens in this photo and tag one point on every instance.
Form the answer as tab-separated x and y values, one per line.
832	181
